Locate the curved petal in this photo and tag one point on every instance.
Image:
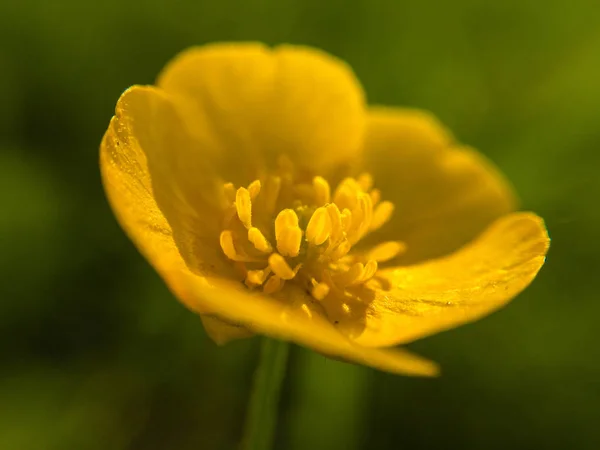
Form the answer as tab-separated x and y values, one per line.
265	315
462	287
261	103
136	157
444	195
161	196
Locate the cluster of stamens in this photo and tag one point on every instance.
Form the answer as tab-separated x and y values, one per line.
280	229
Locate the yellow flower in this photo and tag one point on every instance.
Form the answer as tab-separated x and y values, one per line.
272	200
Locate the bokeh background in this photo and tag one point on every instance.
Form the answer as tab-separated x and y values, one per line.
96	354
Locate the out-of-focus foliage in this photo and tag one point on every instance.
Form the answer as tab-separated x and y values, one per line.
97	355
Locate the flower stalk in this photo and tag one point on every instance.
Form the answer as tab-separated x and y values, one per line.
262	412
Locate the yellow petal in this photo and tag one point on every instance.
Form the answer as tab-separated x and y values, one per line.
223	332
462	287
262	102
150	192
444	195
143	129
275	318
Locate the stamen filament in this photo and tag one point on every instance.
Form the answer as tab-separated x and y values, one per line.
383	213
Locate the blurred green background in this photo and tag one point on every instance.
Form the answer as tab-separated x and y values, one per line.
96	354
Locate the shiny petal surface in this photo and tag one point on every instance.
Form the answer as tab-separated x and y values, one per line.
444	195
266	315
462	287
261	103
157	192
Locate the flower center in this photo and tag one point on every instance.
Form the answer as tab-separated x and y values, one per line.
284	229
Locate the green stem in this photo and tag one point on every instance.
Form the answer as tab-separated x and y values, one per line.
262	409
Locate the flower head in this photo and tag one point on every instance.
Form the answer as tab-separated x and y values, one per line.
272	200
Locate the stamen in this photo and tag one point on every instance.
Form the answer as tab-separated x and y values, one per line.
226	241
332	223
320	291
259	240
366	213
342	249
254	189
375	196
383	213
365	181
257	277
386	251
280	267
228	247
336	222
319	227
322	191
243	206
368	272
346	194
287	233
346	220
273	285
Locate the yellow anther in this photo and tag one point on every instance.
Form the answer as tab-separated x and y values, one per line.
280	267
320	291
346	194
319	227
361	218
287	233
271	193
346	219
386	251
336	222
322	191
289	241
383	213
375	196
229	190
257	277
254	189
332	222
368	272
226	241
273	285
228	246
365	181
286	218
243	206
341	250
259	240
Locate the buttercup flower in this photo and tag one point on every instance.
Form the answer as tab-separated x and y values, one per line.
271	199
